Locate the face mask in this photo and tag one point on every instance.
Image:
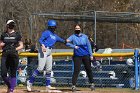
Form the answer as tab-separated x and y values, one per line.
52	29
77	31
11	26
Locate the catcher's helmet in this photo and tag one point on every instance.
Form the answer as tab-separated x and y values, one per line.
52	23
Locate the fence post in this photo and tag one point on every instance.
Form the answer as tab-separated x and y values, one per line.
136	54
72	66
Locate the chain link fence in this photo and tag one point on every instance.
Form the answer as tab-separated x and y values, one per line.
106	73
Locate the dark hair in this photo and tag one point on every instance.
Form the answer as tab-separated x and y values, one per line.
77	25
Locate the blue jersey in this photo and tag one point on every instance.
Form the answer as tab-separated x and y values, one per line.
49	38
82	42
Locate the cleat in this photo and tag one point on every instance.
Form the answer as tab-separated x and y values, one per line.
92	87
11	91
29	86
73	88
50	87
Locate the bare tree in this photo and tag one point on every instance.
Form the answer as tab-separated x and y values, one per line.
21	10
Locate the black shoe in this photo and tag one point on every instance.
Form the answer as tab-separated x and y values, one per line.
73	88
92	87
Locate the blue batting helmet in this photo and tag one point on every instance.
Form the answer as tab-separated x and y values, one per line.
51	23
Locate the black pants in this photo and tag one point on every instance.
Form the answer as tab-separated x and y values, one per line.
78	60
9	63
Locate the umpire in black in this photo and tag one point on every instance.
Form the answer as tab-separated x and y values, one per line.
10	42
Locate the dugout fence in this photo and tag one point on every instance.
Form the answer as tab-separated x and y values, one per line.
116	74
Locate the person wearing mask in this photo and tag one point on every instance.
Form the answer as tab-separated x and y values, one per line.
47	41
82	54
11	42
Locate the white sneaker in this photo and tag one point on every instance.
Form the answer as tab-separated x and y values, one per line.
50	87
73	88
29	86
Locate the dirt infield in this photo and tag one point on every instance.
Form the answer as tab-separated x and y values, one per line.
67	90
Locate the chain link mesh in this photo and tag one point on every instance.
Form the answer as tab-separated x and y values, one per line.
106	73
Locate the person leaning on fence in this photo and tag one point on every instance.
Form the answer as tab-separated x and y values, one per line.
95	48
10	42
47	41
31	61
82	54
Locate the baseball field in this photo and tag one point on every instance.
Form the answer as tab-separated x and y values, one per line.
68	90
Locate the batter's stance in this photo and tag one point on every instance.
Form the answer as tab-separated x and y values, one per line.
47	41
10	42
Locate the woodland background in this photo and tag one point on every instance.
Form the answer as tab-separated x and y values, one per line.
20	11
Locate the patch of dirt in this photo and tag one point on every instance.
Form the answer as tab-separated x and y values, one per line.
36	89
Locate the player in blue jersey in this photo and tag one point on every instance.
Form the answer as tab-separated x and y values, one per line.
47	41
82	54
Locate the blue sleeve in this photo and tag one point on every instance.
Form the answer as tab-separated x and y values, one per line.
89	46
59	39
70	44
70	38
43	37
